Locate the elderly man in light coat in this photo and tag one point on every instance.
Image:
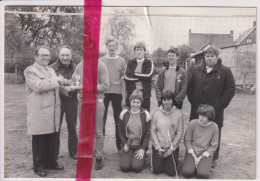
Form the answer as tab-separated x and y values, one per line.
43	110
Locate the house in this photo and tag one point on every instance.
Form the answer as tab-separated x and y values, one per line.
241	57
248	36
199	40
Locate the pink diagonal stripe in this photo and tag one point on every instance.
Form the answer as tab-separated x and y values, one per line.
92	15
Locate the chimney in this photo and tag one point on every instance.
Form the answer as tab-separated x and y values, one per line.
189	31
231	33
254	23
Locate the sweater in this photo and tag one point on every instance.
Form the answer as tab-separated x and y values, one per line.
102	79
167	128
116	67
181	84
201	138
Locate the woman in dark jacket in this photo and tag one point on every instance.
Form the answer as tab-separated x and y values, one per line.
134	132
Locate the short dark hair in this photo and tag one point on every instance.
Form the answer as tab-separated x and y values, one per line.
140	45
207	110
40	47
211	50
168	94
173	50
136	94
111	39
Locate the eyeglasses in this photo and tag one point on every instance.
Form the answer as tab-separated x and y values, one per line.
44	56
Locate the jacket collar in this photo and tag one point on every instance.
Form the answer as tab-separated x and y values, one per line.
61	65
215	68
145	60
39	66
177	67
141	110
166	113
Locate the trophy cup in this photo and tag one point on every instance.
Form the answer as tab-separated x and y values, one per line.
77	80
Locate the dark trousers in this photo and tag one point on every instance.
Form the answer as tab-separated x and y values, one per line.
146	104
43	149
203	168
128	161
116	100
216	153
168	165
70	109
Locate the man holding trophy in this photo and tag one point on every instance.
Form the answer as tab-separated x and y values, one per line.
102	86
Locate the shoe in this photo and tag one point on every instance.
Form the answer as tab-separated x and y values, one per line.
41	173
99	163
74	156
58	167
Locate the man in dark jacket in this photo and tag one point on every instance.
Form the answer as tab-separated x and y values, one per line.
138	75
69	103
211	83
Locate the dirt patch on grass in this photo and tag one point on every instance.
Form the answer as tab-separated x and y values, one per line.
237	152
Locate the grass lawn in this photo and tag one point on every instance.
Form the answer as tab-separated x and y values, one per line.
237	153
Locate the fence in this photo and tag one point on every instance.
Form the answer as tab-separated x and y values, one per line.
233	34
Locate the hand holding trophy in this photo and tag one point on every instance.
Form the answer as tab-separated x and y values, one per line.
77	77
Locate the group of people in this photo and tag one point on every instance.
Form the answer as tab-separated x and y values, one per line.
54	90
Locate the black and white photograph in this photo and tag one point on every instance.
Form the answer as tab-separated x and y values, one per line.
175	97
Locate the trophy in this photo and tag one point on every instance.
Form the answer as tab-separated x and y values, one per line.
77	80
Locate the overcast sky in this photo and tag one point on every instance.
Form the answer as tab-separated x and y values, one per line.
169	26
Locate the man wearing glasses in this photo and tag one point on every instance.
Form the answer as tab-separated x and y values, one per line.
43	111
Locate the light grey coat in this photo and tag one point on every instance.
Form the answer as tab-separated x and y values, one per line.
43	100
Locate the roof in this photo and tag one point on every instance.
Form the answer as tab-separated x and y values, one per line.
241	38
198	40
205	47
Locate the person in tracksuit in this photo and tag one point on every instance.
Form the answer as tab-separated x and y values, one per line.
138	75
166	134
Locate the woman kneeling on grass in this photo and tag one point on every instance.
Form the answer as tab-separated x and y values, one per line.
134	132
166	134
201	141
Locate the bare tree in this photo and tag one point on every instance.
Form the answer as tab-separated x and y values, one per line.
120	25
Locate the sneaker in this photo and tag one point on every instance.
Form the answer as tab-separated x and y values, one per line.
41	173
99	163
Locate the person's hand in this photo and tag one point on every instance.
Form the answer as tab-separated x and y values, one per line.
126	148
161	152
139	154
60	80
197	160
72	88
205	154
70	82
168	153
